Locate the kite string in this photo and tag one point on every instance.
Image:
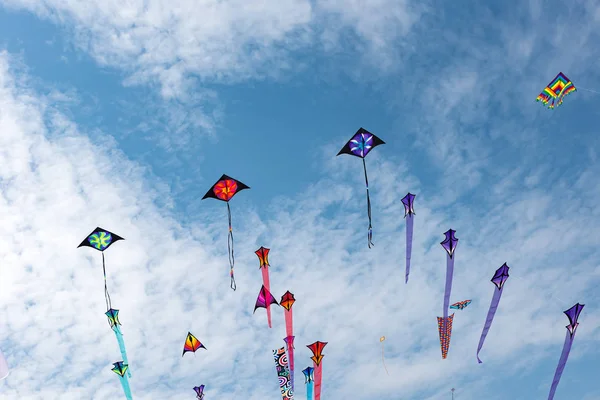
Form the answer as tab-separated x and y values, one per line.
370	232
230	249
588	90
383	359
106	295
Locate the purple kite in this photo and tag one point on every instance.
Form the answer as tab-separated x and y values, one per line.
500	276
199	392
445	323
409	211
573	315
264	299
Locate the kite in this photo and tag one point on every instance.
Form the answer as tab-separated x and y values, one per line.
191	344
113	320
556	91
4	370
263	257
308	380
283	373
317	350
461	305
287	300
573	315
224	190
120	368
381	339
101	239
500	276
445	323
264	299
360	145
409	211
199	392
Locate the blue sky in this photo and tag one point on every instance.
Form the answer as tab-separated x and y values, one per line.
122	116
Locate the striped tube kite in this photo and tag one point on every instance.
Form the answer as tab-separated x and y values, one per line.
120	368
263	257
309	377
317	350
573	315
359	146
287	301
113	320
199	392
264	299
191	344
283	373
445	323
224	190
556	91
499	278
409	212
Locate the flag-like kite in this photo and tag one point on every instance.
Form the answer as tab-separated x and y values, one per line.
500	276
317	350
573	315
360	145
382	339
113	320
120	369
199	392
263	257
287	301
191	344
445	323
283	373
264	299
309	378
461	305
556	91
224	190
409	212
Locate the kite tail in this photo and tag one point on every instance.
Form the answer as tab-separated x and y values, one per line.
106	295
318	378
309	390
126	388
370	232
489	319
449	273
265	275
289	340
383	359
409	238
561	363
445	332
230	249
289	322
119	336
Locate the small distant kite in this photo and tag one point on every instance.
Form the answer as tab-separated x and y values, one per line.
499	278
556	91
573	315
191	344
445	323
287	301
382	339
317	350
120	369
309	378
199	392
359	146
409	212
224	190
461	305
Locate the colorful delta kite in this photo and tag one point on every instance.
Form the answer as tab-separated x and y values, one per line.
283	373
360	145
287	301
317	350
101	239
264	299
309	378
113	320
573	315
120	368
556	91
263	257
199	392
382	339
445	323
191	344
224	190
461	305
409	212
500	276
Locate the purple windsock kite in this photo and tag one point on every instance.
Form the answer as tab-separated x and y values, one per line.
409	211
573	315
500	276
445	323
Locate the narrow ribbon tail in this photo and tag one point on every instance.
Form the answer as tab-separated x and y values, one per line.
370	231
126	388
121	342
309	390
561	364
230	250
318	379
448	289
409	238
489	319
